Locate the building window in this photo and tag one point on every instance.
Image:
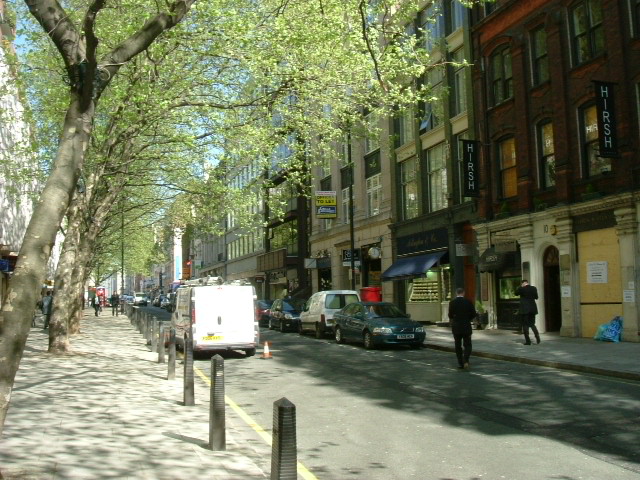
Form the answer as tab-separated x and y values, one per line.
457	14
345	205
459	82
546	150
431	25
374	194
586	29
404	127
409	189
507	162
372	135
433	111
437	175
594	165
539	56
501	75
345	147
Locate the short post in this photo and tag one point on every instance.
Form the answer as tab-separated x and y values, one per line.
284	452
171	375
161	343
217	428
145	319
154	334
188	388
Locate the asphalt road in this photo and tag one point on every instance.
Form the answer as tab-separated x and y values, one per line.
403	414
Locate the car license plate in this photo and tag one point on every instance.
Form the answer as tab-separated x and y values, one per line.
212	337
405	336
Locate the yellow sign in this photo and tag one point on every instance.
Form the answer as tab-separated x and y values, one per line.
326	199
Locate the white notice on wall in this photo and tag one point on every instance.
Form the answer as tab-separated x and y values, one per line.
628	296
597	272
565	291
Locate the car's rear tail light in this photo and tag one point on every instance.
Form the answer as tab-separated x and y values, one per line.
193	315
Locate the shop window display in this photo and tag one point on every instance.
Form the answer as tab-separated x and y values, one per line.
508	286
436	287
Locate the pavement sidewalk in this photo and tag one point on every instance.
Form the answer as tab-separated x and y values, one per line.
620	360
107	411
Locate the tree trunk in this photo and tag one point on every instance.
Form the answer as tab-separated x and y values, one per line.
62	305
30	271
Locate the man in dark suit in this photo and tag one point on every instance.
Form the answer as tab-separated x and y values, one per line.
461	313
528	310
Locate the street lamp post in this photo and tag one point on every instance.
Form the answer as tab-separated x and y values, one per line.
351	233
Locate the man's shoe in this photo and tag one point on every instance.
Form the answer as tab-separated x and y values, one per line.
527	343
460	367
538	340
466	366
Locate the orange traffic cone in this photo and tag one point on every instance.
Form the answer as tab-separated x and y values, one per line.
266	354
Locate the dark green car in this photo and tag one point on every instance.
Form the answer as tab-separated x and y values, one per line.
376	324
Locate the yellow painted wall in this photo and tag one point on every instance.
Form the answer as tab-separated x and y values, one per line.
598	246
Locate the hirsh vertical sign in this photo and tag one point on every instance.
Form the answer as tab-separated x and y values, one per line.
607	137
470	168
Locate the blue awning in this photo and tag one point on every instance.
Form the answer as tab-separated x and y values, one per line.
409	267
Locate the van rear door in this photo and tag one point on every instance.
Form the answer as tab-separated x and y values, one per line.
224	317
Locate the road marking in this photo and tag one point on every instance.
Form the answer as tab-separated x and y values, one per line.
302	470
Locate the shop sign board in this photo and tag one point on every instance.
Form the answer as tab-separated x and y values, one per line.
471	185
605	107
423	241
346	257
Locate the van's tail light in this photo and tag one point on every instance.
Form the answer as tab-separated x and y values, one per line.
322	318
193	316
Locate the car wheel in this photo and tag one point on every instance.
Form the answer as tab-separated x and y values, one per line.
339	336
282	327
368	341
250	352
319	332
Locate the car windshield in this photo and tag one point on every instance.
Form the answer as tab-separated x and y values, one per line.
339	300
384	310
293	304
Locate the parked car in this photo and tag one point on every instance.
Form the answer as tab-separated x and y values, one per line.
377	323
285	314
157	301
262	312
165	302
140	298
317	315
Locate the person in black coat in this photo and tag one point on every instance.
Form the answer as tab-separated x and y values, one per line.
461	313
528	310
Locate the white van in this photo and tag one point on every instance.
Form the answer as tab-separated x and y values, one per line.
222	317
317	315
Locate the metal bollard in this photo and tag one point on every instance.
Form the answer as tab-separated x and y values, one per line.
172	354
188	387
284	455
147	320
217	427
154	334
161	343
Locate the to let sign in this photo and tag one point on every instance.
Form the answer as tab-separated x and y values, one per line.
326	204
470	168
607	136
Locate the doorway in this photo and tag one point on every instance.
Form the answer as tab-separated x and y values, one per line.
552	300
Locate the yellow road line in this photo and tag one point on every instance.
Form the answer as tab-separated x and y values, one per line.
302	470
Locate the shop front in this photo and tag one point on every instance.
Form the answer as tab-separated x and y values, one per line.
503	263
423	275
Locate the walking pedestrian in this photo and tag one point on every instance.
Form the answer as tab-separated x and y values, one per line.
528	310
95	303
47	308
461	314
115	303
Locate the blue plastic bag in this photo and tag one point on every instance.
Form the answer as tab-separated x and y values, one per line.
610	332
